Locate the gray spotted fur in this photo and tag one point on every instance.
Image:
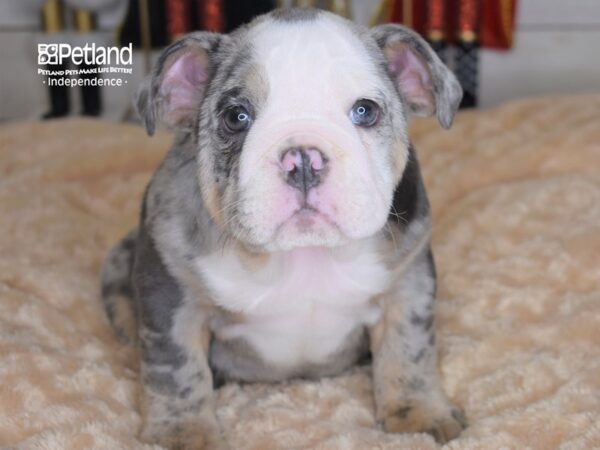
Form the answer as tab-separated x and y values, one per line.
176	227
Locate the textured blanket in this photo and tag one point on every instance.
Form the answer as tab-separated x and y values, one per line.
516	201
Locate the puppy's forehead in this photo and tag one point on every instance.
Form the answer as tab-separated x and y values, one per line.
320	55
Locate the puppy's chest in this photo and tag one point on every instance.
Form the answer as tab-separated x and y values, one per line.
299	306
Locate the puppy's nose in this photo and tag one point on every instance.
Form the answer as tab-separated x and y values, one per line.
303	167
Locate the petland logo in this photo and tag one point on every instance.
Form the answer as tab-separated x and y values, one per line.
90	65
88	54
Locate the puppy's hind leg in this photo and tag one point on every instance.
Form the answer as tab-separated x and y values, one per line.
117	290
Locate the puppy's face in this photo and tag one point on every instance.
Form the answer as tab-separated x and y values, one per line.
309	140
300	121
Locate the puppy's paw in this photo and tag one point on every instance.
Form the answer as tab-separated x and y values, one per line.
184	436
437	418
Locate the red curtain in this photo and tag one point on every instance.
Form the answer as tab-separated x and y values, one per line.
492	21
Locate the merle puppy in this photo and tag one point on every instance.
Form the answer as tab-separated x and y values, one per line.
287	232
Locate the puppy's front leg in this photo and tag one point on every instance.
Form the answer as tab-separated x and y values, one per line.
408	395
177	391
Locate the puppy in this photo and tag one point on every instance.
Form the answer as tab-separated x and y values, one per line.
287	232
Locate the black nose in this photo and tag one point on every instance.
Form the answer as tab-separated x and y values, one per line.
303	167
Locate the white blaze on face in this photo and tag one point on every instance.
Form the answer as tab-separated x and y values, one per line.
315	71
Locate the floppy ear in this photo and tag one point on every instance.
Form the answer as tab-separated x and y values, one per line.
422	79
173	92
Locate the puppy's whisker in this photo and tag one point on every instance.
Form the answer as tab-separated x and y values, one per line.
229	206
398	215
388	228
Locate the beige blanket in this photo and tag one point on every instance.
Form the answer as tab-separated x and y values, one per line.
516	198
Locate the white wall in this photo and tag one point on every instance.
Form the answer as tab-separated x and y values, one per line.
557	50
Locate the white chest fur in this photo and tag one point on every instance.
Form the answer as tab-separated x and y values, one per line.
299	306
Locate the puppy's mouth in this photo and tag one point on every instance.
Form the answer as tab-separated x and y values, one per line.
306	217
309	225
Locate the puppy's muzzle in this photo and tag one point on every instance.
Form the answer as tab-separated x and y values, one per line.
304	167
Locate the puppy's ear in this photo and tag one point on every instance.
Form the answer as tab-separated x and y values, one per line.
174	91
424	82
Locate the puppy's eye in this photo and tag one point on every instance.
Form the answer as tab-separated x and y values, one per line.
364	113
237	119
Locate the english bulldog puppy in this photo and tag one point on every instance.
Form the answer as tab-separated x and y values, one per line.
287	231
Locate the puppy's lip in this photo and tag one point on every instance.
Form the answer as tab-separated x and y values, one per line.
306	215
303	219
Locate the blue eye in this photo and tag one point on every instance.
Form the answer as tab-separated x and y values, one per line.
364	113
236	119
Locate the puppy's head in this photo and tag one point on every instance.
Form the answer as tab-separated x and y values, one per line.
300	122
